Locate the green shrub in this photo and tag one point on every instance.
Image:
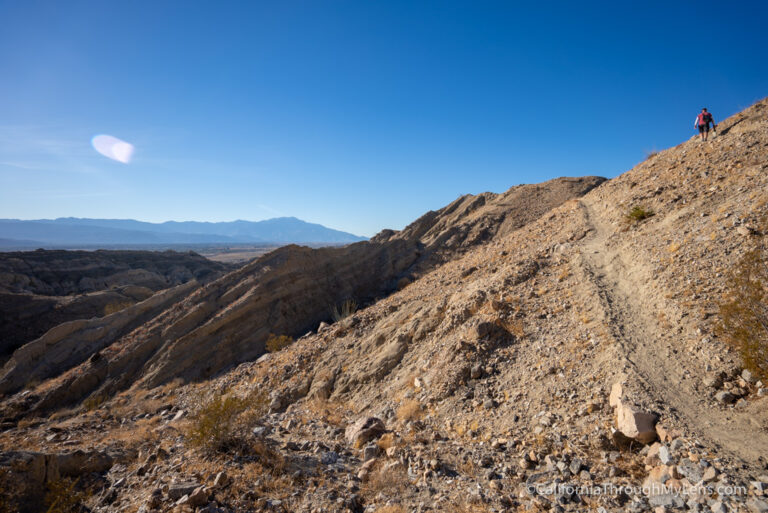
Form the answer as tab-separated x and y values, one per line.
222	423
343	310
276	343
743	320
638	213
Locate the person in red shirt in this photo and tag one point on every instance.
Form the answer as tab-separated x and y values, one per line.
702	122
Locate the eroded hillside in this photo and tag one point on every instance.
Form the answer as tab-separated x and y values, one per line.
42	289
289	291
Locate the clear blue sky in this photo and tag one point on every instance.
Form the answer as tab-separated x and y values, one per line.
359	115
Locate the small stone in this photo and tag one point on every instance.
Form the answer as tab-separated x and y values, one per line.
575	466
476	372
747	376
757	506
664	456
329	458
221	480
709	475
724	397
370	451
718	507
364	430
261	431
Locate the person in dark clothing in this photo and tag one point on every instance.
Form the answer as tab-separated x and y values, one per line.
703	119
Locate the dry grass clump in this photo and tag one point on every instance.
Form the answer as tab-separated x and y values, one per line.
221	424
64	497
330	412
744	312
386	441
410	409
638	213
276	343
94	401
343	310
391	481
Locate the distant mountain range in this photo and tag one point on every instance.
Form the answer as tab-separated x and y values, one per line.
68	232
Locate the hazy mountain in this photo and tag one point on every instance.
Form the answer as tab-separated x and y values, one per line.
71	231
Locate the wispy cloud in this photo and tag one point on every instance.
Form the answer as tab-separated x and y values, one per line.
271	210
35	148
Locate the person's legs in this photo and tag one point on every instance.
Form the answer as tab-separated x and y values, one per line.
706	131
701	132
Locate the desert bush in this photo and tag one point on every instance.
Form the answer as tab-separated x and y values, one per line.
386	441
64	497
343	310
93	402
221	423
410	409
650	154
743	320
391	481
638	213
276	343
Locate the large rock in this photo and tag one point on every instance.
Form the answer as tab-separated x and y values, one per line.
79	462
364	430
636	424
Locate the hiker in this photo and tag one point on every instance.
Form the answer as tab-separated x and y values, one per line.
702	123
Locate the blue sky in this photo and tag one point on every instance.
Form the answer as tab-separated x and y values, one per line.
359	115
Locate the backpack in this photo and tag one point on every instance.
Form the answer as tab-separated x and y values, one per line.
704	119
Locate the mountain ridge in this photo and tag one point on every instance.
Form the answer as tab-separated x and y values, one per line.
72	231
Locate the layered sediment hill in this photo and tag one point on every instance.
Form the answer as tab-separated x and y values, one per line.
554	364
42	289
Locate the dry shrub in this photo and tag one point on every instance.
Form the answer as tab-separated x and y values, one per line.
391	481
638	213
222	423
743	320
94	401
64	497
386	441
409	410
343	310
330	412
276	343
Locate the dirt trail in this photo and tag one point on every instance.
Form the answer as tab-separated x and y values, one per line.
620	280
